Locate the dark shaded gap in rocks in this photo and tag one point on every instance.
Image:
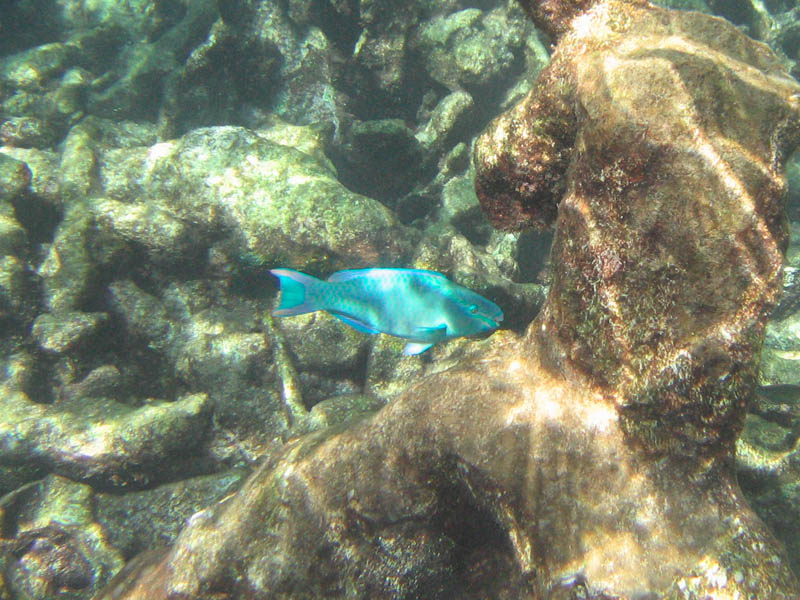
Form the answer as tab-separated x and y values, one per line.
28	24
533	256
343	30
38	217
738	12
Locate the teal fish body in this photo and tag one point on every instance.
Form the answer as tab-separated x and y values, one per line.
423	307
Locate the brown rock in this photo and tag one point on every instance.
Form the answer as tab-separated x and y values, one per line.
592	457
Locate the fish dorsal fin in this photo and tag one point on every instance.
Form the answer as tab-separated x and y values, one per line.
355	323
348	274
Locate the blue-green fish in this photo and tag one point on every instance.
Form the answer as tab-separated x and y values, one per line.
423	307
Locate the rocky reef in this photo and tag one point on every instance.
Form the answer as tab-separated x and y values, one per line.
157	157
591	457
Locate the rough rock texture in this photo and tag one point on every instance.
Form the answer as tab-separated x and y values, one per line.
768	463
59	549
126	446
591	457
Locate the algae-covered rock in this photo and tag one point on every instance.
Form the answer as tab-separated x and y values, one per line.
219	349
134	89
448	119
389	372
339	410
444	250
19	292
470	48
15	176
272	201
13	238
768	463
780	357
43	93
68	270
101	441
171	199
58	549
144	316
150	226
43	167
322	343
62	332
147	519
105	381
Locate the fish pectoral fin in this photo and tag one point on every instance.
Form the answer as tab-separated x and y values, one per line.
355	323
413	348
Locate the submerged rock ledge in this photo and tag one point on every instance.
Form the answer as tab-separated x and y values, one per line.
593	456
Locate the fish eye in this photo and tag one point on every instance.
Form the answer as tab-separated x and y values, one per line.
473	308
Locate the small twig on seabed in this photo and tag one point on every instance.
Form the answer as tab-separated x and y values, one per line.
290	383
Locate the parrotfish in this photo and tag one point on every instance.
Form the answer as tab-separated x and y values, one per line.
423	307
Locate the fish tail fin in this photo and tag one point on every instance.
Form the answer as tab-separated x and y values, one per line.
297	295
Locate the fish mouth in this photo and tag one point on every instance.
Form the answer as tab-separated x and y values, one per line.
492	322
